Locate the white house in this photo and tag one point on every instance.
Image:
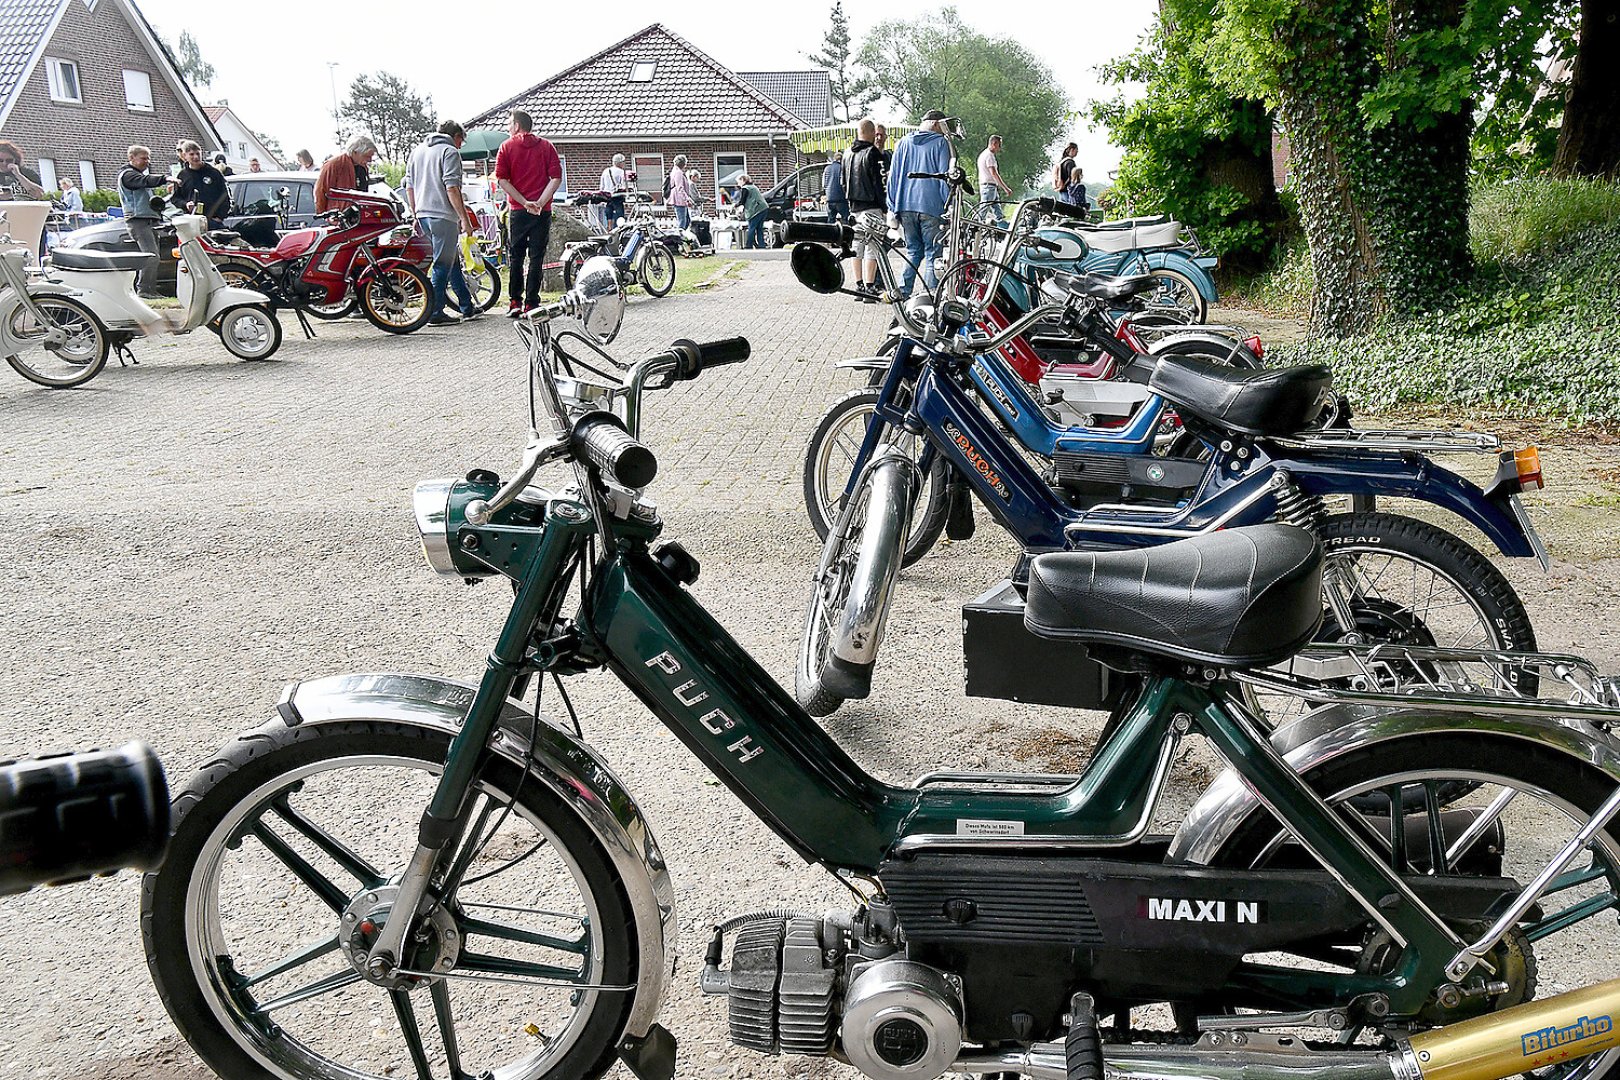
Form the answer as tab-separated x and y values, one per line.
238	141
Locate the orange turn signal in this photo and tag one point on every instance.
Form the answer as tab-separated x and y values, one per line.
1528	464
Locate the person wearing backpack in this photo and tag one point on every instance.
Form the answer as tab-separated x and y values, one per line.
868	202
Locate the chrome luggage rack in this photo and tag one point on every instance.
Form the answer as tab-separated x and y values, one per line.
1456	680
1427	442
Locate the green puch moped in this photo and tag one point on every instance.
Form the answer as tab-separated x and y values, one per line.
403	876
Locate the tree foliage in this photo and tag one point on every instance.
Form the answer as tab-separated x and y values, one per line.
385	107
1192	149
187	57
994	84
271	144
851	92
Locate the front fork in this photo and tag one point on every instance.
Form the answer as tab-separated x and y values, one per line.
540	588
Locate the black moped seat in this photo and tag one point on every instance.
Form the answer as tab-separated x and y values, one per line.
1106	287
1259	401
90	259
1240	598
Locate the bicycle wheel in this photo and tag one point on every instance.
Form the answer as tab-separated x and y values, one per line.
1177	297
396	299
77	361
574	261
849	600
830	458
484	285
657	270
279	875
1537	797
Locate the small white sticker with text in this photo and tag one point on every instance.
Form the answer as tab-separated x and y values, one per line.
976	827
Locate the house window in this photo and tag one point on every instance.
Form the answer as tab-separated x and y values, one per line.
62	76
726	168
47	175
649	173
642	70
138	90
87	175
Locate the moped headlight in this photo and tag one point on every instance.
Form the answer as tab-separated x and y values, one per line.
431	502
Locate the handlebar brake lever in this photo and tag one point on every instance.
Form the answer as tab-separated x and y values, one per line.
539	452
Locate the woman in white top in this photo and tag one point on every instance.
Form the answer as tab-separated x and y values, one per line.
615	181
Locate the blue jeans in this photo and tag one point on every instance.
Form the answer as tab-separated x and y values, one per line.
922	233
838	211
683	217
446	237
756	232
994	203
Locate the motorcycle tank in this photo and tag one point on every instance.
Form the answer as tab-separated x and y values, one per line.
1071	247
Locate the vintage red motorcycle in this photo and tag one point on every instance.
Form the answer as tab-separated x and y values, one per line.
369	256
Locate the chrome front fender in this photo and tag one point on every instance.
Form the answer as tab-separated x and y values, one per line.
1332	730
567	767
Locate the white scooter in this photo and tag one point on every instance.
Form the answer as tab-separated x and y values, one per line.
105	282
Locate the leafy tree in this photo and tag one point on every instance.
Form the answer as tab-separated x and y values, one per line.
1517	125
993	83
272	145
188	59
385	107
1192	149
851	92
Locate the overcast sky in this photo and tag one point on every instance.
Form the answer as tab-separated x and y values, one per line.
473	54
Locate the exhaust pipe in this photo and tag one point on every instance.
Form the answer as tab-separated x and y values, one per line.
1493	1047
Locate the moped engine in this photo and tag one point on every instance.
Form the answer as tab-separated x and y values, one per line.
799	984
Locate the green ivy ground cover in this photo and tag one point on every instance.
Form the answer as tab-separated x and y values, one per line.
1537	329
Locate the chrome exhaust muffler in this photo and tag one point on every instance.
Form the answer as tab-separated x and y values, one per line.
1493	1047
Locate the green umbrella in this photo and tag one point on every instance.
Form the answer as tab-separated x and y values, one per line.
482	144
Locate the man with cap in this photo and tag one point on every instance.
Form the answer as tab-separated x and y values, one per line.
616	182
920	204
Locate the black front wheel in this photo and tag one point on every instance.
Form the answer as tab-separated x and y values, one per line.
281	871
576	260
657	270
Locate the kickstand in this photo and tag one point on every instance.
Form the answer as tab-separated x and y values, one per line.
303	320
125	355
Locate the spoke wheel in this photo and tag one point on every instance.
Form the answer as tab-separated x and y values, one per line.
830	458
396	299
658	269
1177	297
484	285
1526	801
77	361
572	264
282	867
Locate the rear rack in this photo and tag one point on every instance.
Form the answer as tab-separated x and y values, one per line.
1448	680
1428	442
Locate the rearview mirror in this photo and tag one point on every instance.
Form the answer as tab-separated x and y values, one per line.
598	296
817	268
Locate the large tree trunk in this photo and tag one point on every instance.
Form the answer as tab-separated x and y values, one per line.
1385	210
1589	141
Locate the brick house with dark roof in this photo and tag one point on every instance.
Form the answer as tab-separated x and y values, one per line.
82	80
806	94
650	97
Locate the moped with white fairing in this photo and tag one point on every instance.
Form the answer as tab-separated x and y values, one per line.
106	283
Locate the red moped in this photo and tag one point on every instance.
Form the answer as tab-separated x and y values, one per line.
327	271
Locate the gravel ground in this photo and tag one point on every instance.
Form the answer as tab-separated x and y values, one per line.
186	536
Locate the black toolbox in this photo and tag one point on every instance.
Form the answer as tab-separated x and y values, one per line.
1006	661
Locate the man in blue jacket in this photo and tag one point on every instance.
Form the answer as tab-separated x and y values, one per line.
920	204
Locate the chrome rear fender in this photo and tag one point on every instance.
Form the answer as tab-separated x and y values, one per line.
1333	730
568	768
894	480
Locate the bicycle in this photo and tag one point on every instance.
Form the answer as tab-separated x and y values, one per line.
640	257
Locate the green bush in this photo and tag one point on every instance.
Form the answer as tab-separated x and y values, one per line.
97	200
1537	330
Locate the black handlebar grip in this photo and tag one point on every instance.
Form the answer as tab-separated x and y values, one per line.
1042	242
691	358
1062	209
69	816
817	233
600	438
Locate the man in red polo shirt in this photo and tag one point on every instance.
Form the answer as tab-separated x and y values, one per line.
529	171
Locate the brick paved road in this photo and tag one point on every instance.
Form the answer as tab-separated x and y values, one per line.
185	537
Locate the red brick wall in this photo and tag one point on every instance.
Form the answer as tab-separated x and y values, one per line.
766	164
102	44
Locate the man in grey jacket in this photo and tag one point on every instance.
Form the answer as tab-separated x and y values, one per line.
136	187
433	190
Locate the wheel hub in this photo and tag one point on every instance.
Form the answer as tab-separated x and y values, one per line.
432	946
